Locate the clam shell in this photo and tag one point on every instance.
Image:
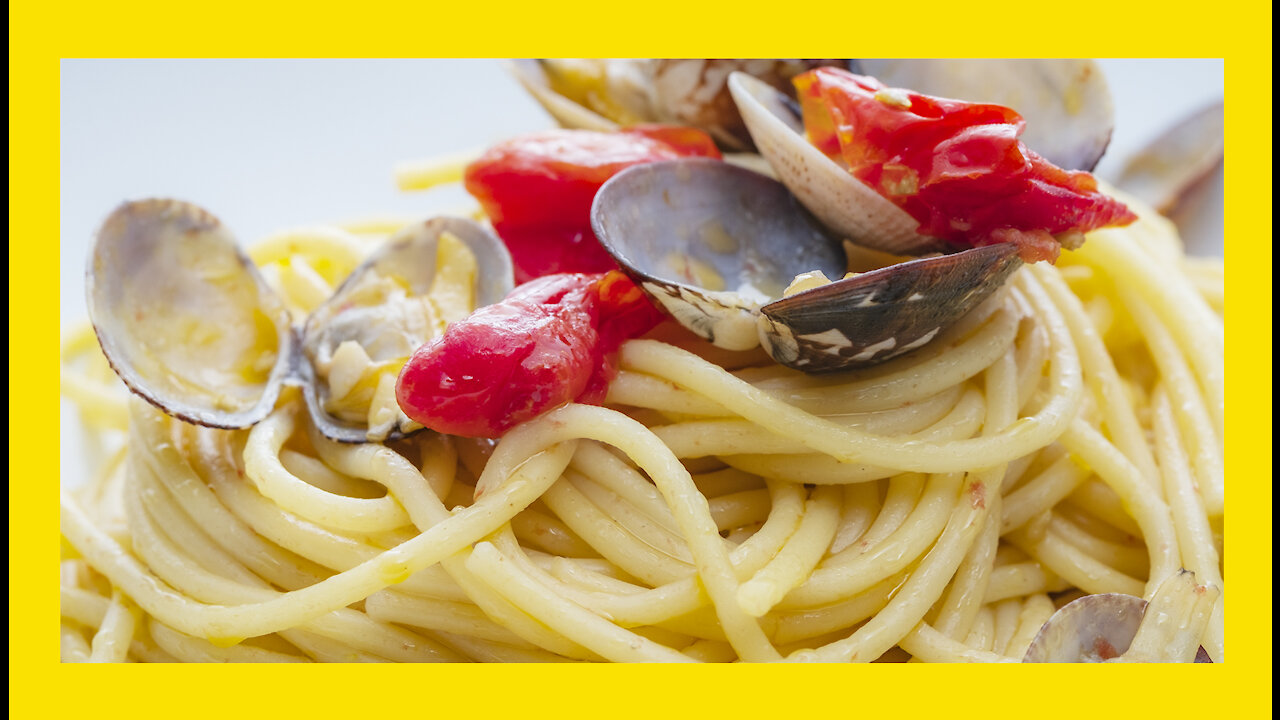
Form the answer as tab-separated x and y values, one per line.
876	316
1090	629
188	323
716	245
184	317
842	202
695	92
533	76
410	258
1066	103
684	91
1180	173
710	242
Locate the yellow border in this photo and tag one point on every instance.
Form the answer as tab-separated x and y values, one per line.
39	36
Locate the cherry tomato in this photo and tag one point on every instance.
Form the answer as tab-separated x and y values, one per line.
551	341
956	167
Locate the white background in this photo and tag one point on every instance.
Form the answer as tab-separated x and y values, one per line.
267	145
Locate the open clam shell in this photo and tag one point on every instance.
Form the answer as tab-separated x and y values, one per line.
390	331
184	317
710	242
188	323
1066	103
715	245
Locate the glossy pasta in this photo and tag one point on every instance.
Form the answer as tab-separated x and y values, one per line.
1064	439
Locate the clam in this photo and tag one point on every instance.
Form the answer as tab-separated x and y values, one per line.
383	309
604	94
851	208
1066	103
188	323
1094	628
1180	173
716	246
184	317
840	201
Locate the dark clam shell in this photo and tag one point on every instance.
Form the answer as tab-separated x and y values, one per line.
875	316
710	242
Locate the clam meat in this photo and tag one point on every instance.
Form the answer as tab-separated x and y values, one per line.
188	322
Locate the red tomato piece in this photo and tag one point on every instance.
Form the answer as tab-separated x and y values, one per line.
551	341
537	251
537	189
956	167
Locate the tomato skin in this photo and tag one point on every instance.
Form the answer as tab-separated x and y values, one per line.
543	250
537	189
956	167
550	342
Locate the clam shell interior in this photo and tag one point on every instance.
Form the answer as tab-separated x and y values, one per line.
184	317
710	242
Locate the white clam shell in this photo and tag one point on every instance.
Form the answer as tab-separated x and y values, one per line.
842	202
184	317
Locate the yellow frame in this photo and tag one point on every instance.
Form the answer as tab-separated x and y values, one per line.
1240	32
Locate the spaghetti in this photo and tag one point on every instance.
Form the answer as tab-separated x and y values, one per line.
1064	439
